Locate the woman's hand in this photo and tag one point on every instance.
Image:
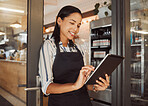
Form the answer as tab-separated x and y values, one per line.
84	73
100	86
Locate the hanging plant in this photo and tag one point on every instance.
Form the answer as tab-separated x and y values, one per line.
96	10
106	9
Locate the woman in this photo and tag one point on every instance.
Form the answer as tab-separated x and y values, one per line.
61	64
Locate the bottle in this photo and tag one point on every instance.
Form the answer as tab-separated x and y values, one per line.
131	38
136	39
138	54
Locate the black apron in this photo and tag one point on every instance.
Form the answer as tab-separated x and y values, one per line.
66	68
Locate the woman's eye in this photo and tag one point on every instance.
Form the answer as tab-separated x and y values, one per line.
72	23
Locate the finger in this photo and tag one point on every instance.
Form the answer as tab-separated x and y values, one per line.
100	83
104	81
107	78
83	72
88	67
99	88
88	73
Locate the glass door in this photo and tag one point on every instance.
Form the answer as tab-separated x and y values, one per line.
13	52
139	52
21	29
100	35
100	47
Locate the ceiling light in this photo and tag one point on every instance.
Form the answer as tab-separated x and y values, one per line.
16	25
12	10
134	20
23	34
2	33
3	0
47	30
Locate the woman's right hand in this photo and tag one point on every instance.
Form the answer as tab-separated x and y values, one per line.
84	73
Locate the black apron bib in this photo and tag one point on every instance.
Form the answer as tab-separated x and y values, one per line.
66	68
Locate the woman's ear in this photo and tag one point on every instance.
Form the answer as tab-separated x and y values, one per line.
59	21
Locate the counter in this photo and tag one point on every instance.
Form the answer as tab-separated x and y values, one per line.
13	73
13	61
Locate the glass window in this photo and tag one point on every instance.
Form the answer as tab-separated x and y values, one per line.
139	52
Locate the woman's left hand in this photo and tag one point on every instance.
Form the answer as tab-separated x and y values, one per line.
100	86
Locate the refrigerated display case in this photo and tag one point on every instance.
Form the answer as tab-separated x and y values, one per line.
100	39
139	60
100	45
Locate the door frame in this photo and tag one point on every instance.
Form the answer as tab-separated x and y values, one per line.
121	46
35	13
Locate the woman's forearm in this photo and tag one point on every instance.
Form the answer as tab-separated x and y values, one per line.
55	88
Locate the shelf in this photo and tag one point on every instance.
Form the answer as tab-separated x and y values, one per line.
138	98
135	45
135	60
100	26
101	47
135	96
97	58
101	37
135	79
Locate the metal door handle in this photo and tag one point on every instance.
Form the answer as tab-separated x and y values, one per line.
21	85
37	85
37	89
32	89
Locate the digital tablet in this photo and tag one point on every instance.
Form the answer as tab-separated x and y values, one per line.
106	66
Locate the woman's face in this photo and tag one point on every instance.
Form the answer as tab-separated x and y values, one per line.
69	26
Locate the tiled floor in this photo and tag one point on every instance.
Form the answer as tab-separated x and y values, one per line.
4	102
13	100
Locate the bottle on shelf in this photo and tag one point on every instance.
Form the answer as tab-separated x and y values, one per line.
137	38
104	42
138	54
99	54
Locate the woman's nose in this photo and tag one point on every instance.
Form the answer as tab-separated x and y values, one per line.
75	28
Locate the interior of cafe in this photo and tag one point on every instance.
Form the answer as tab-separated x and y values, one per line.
95	36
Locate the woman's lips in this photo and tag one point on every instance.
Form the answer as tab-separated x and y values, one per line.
72	34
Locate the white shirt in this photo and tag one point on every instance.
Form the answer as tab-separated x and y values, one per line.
47	56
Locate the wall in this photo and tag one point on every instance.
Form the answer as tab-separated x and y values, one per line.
84	5
84	36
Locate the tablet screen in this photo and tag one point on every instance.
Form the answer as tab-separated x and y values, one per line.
106	66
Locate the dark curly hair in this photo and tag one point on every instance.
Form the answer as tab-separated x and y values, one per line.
64	12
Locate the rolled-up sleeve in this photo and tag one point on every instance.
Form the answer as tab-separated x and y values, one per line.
45	66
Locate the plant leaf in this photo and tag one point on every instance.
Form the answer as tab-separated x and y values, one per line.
110	7
105	3
97	5
106	13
